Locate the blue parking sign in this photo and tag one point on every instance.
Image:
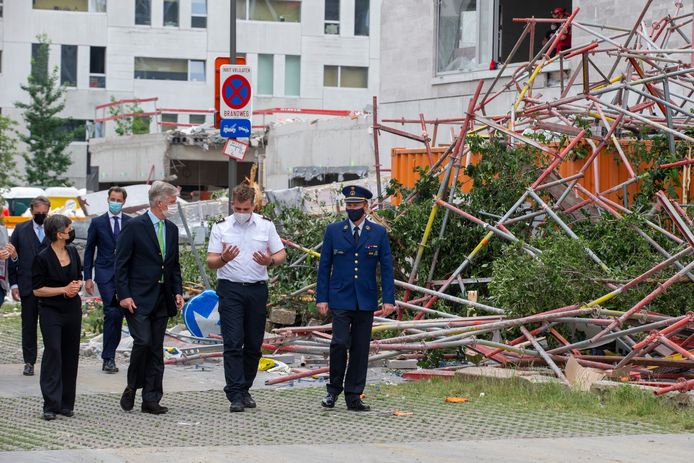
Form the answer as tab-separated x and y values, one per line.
235	128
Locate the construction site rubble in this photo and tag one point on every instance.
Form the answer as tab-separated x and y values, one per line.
623	82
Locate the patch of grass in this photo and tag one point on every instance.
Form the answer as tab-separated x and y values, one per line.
624	403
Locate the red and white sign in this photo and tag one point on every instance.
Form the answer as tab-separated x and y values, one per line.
235	149
235	99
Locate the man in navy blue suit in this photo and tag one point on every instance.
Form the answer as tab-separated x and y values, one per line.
101	237
347	287
149	287
28	240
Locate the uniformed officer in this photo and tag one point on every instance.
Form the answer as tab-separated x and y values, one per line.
347	287
241	248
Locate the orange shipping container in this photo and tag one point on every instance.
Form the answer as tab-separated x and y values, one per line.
607	171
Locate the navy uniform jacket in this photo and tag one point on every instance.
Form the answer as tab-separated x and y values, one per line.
28	246
347	270
100	239
139	265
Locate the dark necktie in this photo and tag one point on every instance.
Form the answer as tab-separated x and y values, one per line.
116	227
356	234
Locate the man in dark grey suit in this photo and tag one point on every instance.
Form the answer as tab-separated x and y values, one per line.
28	240
149	287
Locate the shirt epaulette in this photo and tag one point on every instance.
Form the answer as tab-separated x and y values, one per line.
220	220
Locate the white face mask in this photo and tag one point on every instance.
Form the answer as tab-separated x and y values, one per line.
242	217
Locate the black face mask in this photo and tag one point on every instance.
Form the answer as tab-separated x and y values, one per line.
70	237
40	217
355	214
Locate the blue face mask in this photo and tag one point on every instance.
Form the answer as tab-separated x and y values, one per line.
115	207
355	214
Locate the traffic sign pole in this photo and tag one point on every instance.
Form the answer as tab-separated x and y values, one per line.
233	167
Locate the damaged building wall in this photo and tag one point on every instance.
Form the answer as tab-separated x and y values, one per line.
130	159
295	148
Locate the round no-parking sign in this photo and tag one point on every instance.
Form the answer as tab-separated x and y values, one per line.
235	92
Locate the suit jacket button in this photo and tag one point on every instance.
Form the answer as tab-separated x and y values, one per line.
356	254
356	261
356	269
356	277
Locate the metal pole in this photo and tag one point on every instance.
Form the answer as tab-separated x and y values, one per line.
232	169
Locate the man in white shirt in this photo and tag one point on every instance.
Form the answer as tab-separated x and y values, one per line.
241	248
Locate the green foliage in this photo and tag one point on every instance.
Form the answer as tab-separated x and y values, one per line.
564	274
92	319
298	227
8	149
645	158
501	176
129	125
47	139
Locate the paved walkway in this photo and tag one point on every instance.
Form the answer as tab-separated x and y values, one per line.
632	449
289	425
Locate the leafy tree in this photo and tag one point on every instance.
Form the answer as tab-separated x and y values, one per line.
47	138
129	125
8	148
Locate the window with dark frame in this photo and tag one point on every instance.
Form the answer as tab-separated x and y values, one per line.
143	12
361	17
68	65
39	63
97	67
198	14
331	25
171	13
346	76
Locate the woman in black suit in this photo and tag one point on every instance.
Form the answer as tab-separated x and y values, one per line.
56	281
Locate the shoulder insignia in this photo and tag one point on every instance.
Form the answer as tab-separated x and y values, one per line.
368	227
220	220
266	218
345	227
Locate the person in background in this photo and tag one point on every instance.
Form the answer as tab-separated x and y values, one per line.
347	286
28	239
565	39
6	253
56	273
150	288
101	237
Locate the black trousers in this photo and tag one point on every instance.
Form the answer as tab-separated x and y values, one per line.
242	314
146	369
61	350
30	317
351	333
113	325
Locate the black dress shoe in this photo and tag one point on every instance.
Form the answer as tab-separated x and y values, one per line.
248	401
67	412
109	366
328	401
49	416
153	408
358	406
127	400
28	369
236	406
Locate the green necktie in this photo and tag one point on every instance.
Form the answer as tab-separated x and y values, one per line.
160	238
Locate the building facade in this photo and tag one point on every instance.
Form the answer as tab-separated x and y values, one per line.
305	54
452	44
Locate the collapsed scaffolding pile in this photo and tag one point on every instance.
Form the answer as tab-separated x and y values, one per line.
643	88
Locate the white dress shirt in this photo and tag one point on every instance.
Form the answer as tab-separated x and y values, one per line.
258	234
